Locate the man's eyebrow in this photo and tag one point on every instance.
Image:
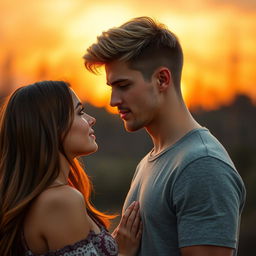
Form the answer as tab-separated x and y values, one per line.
78	105
117	81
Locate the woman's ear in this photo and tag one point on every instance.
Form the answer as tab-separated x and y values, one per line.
163	76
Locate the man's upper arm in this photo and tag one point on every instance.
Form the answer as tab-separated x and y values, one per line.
208	198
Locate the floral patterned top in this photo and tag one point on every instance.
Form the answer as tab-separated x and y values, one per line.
102	244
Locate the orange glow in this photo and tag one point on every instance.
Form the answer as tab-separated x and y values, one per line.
47	39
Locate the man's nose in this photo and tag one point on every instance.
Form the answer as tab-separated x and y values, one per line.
115	99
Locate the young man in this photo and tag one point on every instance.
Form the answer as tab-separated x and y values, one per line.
191	196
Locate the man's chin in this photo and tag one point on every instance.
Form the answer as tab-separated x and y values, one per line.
131	128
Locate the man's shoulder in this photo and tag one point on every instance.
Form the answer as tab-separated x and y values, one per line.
199	144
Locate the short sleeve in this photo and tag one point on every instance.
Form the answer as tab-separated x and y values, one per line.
208	198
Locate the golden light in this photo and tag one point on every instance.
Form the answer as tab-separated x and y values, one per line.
47	39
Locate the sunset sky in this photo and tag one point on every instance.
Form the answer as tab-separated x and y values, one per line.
46	39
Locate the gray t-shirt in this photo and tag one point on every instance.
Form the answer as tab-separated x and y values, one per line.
189	194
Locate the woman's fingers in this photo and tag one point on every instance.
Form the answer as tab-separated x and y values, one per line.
133	217
139	233
128	233
136	223
125	217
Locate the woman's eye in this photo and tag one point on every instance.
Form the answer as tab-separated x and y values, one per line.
81	112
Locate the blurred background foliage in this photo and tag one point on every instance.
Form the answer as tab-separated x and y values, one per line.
111	168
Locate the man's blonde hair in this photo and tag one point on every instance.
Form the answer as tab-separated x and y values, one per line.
141	42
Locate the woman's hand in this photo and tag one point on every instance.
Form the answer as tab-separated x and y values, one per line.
128	232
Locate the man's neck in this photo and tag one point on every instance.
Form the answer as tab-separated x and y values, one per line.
171	126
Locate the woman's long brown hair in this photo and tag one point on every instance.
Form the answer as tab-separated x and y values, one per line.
34	123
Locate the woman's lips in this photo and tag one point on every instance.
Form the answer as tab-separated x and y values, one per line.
91	134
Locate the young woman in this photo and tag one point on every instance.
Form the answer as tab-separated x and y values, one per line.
45	204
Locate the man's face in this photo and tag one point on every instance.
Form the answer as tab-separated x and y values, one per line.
135	98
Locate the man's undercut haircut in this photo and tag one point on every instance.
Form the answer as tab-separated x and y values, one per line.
143	44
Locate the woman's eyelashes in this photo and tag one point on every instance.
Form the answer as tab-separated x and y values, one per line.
81	111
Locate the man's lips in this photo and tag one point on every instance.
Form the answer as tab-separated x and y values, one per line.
123	113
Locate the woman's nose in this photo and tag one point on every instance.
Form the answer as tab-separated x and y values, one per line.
91	120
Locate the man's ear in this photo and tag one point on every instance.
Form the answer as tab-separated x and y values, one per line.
163	76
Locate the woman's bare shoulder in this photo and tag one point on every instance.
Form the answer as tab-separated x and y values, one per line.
59	203
62	217
58	197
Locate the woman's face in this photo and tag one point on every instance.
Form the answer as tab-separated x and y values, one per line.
80	139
